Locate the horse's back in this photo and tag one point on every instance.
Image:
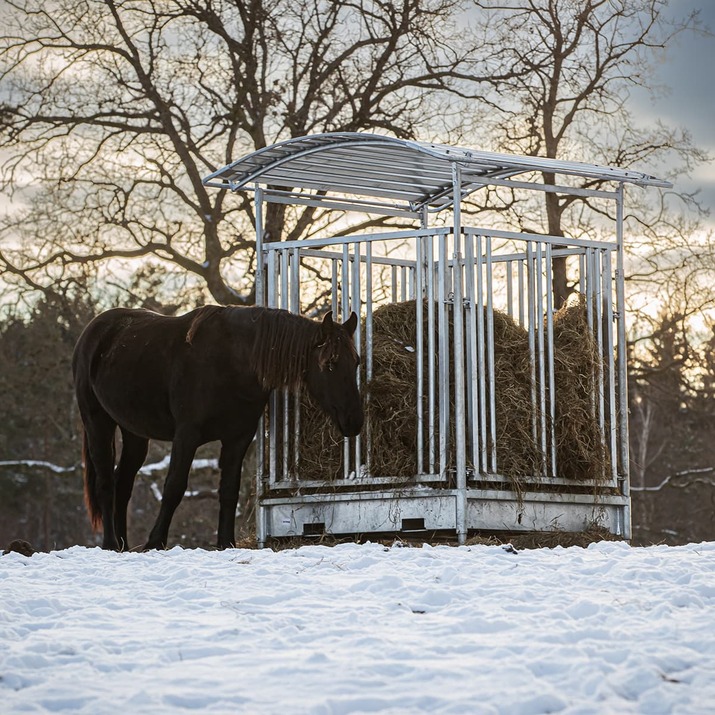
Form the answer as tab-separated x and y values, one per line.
124	361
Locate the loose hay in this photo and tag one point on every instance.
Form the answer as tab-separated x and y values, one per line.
580	449
390	400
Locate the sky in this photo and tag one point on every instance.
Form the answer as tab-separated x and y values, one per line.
444	630
688	69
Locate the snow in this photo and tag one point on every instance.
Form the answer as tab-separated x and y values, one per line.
360	629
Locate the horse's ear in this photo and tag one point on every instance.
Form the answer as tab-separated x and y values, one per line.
327	325
351	323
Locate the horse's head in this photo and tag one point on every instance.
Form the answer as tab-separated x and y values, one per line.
332	375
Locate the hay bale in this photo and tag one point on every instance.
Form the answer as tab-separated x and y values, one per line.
580	449
390	400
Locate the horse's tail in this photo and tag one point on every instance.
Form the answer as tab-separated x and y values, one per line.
91	498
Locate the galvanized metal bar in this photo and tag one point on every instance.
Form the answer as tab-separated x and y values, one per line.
308	243
393	283
334	285
546	188
344	311
531	310
491	375
384	208
285	395
541	352
549	290
590	279
459	407
295	308
431	354
610	365
258	211
509	288
522	293
599	376
356	294
481	357
261	535
588	259
419	347
540	238
622	359
443	356
368	354
403	284
472	362
273	399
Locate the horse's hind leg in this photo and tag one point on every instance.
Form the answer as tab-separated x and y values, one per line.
100	429
134	451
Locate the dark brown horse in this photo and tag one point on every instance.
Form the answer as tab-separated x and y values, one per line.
193	379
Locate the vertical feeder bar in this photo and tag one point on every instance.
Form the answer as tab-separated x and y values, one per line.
599	376
419	345
609	354
443	356
481	361
368	352
295	308
531	309
622	357
356	295
550	356
344	311
273	400
285	396
520	283
460	427
490	356
472	368
539	320
334	287
509	289
431	375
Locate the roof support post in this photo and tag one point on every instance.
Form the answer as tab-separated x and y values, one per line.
459	401
261	512
258	208
624	476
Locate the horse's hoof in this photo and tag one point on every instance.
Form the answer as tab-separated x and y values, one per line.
153	546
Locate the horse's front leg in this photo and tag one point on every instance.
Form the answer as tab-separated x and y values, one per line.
231	463
183	449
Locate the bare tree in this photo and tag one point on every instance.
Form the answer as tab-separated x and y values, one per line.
113	111
581	60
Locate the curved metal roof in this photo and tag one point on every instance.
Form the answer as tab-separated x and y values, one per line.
405	174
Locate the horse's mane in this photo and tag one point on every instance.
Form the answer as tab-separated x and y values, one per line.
202	314
281	347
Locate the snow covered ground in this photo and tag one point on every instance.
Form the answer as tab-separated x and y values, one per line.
360	629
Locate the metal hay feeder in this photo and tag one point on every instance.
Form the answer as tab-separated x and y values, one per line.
463	274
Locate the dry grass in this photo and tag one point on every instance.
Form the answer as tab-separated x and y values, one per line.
580	452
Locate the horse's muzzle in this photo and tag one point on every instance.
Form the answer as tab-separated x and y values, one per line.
350	425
